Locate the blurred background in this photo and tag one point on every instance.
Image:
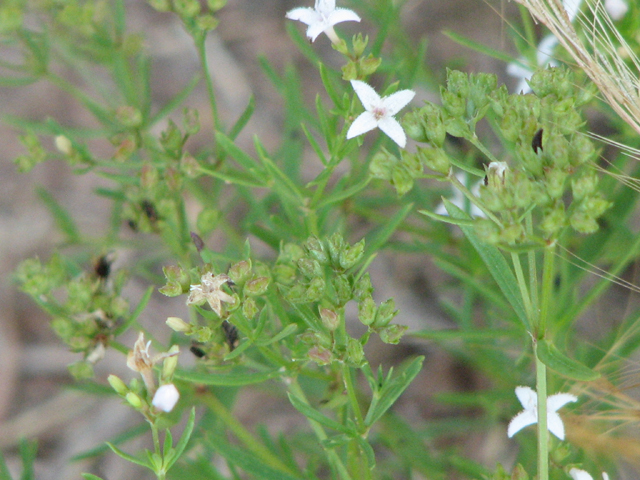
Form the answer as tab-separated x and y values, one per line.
35	401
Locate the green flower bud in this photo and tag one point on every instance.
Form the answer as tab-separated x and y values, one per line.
384	315
160	5
297	293
582	150
291	253
555	180
342	287
519	473
249	308
315	291
169	364
189	165
511	234
118	385
349	256
186	8
596	205
350	71
239	272
284	274
206	22
487	231
257	286
316	250
171	289
435	159
458	127
583	222
330	319
458	83
363	288
510	125
454	105
433	124
367	311
336	245
392	334
208	220
412	164
557	151
129	116
63	144
554	219
414	126
215	5
355	352
402	180
369	65
63	327
492	199
178	325
584	185
359	44
382	165
82	370
171	139
134	400
202	334
310	268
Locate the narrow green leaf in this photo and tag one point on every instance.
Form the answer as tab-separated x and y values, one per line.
478	47
348	192
286	331
123	437
496	264
379	237
314	144
236	177
335	97
392	389
4	470
90	476
239	350
17	81
28	451
184	440
130	458
243	119
464	335
563	365
446	218
248	462
142	304
235	379
61	216
244	159
319	417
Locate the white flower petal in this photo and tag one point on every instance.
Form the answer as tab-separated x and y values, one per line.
316	29
325	6
527	396
367	95
304	15
166	397
392	128
342	15
555	425
397	101
521	420
605	476
578	474
364	123
559	400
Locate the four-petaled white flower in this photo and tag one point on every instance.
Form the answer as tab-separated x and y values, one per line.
209	290
578	474
529	415
379	112
166	397
322	18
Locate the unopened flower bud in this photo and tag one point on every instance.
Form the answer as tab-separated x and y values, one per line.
118	385
249	308
435	159
129	116
392	334
316	250
239	272
342	287
363	287
134	400
336	244
64	145
257	286
315	290
351	255
330	319
320	355
166	397
367	311
384	315
170	363
355	352
310	268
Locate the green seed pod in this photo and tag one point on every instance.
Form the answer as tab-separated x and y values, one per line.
129	116
487	231
367	311
284	274
342	287
355	352
320	355
363	288
257	286
315	291
330	319
249	308
554	219
239	272
435	159
392	334
384	315
349	256
382	165
555	182
310	268
336	245
414	126
402	180
316	250
584	185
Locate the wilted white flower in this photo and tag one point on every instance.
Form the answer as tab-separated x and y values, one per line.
166	397
379	112
529	415
578	474
140	360
322	18
209	290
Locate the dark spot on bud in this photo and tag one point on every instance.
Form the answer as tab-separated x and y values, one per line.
132	225
536	143
102	267
197	351
149	210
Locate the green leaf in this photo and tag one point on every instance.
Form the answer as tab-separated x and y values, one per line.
378	239
496	264
244	159
90	476
475	335
4	470
238	378
319	417
384	398
175	102
61	216
182	443
243	119
285	332
446	218
123	437
252	465
563	365
339	195
130	458
478	47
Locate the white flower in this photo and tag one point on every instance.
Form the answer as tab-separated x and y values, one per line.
616	8
209	290
166	397
529	415
379	112
545	51
322	18
578	474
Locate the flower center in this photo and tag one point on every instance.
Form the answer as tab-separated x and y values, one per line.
379	112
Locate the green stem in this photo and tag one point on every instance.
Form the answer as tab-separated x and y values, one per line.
547	290
347	375
524	291
472	198
216	406
543	431
332	456
476	143
202	54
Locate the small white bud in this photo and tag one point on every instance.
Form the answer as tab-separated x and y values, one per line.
166	397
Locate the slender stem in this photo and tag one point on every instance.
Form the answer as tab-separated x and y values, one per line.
533	273
472	198
476	143
216	406
524	291
347	375
547	290
543	431
202	54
